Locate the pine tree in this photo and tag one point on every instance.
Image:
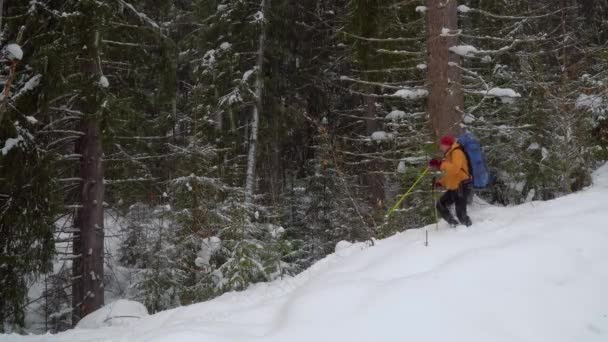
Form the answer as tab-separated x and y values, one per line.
28	190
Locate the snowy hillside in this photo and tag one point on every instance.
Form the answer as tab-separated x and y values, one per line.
536	272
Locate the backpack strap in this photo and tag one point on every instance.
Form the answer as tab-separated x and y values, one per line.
466	156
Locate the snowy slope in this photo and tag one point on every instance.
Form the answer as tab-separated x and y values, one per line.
536	272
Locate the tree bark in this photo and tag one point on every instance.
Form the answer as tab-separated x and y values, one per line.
87	290
257	109
1	17
87	267
373	179
446	99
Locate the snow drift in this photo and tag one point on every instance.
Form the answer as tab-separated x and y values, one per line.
121	312
536	272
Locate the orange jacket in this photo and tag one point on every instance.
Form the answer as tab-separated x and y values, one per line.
455	168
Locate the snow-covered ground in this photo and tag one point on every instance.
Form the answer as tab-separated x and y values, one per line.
536	272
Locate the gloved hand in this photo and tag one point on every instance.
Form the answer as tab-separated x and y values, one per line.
435	164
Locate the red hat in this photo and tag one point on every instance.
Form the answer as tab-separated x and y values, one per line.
447	140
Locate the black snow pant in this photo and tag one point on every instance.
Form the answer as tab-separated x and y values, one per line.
459	198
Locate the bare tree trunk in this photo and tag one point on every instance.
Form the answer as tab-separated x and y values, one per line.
1	17
373	179
87	291
257	109
87	267
446	99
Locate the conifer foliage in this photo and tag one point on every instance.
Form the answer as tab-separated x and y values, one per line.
171	151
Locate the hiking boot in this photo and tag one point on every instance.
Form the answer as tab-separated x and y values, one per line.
467	222
453	223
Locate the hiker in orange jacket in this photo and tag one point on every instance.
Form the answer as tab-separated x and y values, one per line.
456	180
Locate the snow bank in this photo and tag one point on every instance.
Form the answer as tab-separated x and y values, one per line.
535	272
345	248
119	313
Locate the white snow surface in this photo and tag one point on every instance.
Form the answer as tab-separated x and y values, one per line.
396	115
503	92
30	85
209	246
119	313
411	93
506	95
258	16
463	9
103	82
13	51
248	74
381	136
464	50
31	119
401	168
535	272
593	103
10	143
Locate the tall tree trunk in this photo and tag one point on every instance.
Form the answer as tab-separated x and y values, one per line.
1	17
373	179
257	108
87	268
87	291
446	99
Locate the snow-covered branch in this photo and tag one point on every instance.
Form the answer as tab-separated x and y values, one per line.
383	85
141	15
466	9
399	52
384	40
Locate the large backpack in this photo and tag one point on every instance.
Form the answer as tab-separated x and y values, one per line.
478	169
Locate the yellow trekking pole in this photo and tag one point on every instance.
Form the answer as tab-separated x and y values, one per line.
434	197
407	193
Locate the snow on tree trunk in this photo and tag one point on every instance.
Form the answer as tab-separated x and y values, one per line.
87	268
446	99
257	108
